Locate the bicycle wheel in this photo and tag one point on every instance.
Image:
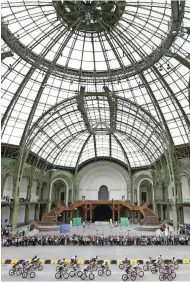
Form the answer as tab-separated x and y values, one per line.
19	272
108	272
141	273
24	275
133	274
125	277
57	275
121	266
32	274
79	273
72	274
176	266
133	278
173	274
40	267
153	270
11	272
82	276
91	276
161	277
145	267
66	275
170	278
100	272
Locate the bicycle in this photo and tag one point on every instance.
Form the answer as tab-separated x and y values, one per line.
13	271
123	264
75	273
139	272
59	275
105	271
37	265
128	276
61	267
91	276
31	274
165	275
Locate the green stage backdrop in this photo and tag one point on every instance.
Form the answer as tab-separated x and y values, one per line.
77	221
124	221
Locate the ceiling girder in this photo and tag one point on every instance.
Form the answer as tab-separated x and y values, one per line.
124	152
80	154
44	82
95	150
15	98
7	54
158	109
179	58
165	84
38	61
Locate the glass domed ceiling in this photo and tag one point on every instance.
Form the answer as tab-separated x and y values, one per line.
92	79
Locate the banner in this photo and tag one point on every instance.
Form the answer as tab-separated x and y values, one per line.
124	221
27	229
77	221
64	228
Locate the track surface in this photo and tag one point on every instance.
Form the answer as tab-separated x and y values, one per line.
48	274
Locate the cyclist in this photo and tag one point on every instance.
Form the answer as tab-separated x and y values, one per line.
173	260
159	259
136	266
74	260
127	269
95	259
16	265
149	261
62	264
104	265
34	259
23	264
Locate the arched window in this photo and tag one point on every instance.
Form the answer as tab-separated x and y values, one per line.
103	193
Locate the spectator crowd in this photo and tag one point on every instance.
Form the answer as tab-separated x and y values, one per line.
95	240
184	229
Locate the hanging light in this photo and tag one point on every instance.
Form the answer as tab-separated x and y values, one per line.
161	68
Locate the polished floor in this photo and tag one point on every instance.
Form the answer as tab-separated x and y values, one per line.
48	274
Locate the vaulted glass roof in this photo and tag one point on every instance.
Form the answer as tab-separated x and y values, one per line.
89	79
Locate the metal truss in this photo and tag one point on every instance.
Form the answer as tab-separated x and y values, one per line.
136	67
7	54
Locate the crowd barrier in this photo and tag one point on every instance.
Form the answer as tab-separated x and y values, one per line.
133	261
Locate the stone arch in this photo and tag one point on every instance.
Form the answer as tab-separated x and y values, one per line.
51	188
103	193
138	189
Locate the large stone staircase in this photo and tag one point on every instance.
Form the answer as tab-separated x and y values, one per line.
150	217
50	218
